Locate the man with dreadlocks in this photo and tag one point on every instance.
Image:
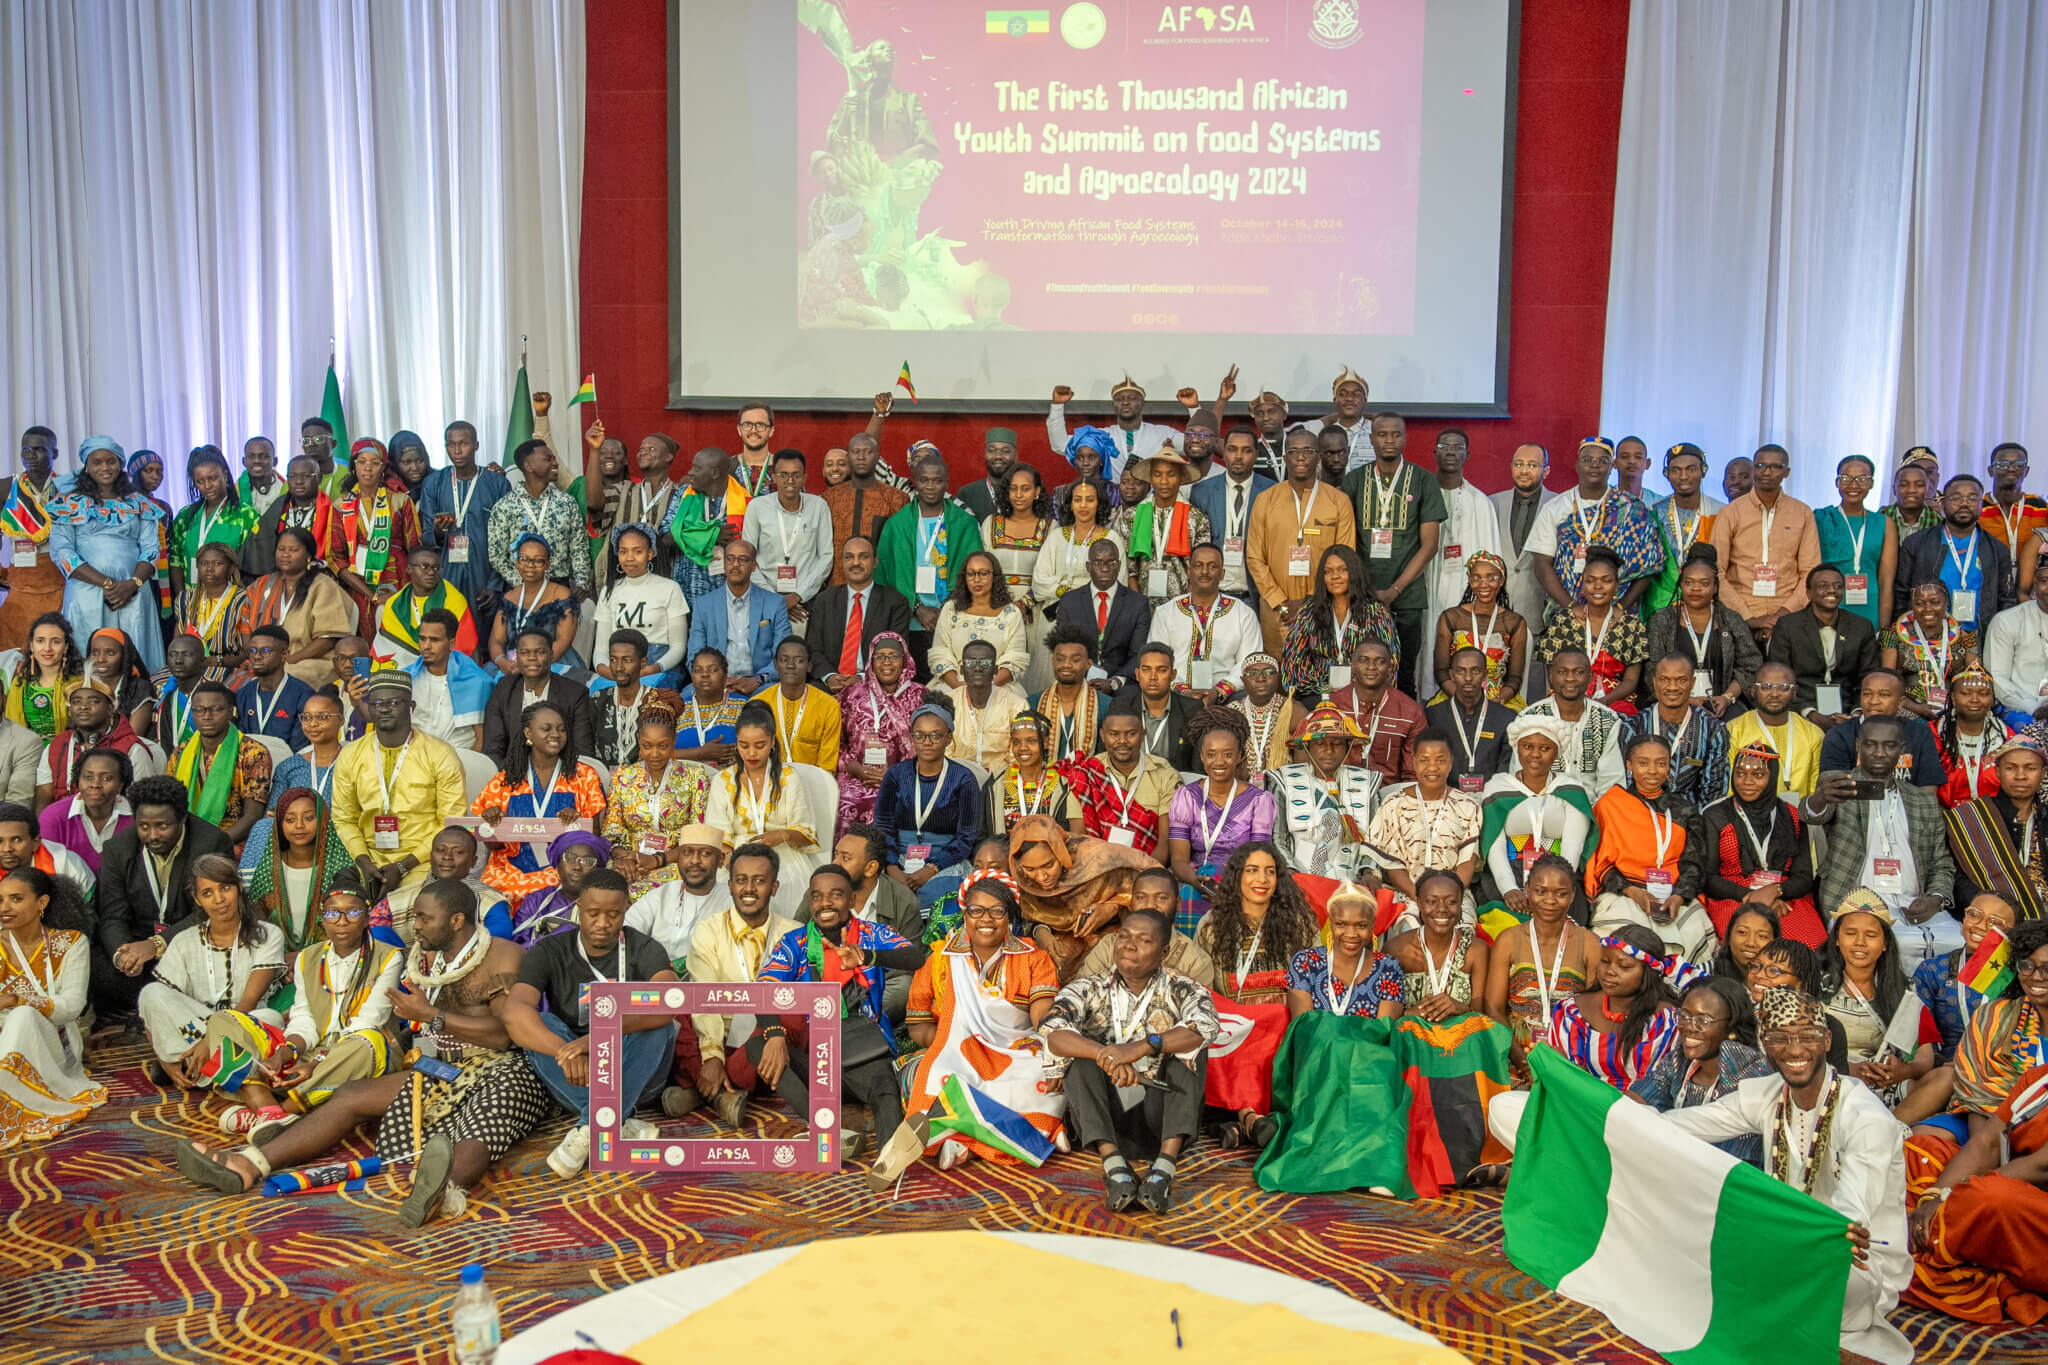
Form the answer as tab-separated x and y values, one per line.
1829	1135
457	980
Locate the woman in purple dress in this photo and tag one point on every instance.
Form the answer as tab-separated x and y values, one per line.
875	717
1211	819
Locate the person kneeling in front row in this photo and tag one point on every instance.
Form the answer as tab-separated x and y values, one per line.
1134	1048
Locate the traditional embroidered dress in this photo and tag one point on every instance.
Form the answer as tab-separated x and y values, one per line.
1254	973
647	816
196	988
746	810
1323	822
1988	1245
1309	972
113	537
1929	658
1016	546
517	870
44	1088
984	1032
337	1019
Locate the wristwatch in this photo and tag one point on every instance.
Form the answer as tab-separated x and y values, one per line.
1156	1043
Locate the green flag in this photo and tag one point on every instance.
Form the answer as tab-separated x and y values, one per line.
331	412
519	422
1682	1246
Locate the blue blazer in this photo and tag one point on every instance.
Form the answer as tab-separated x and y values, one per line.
768	626
1210	495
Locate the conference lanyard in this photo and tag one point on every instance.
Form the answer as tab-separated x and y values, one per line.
1547	986
1973	762
206	523
1677	737
1383	508
659	798
1683	534
1700	638
1926	650
1856	534
462	495
598	972
920	808
1247	956
928	543
323	778
1757	846
264	713
1210	836
795	724
1965	564
1596	643
742	790
1468	740
540	801
789	541
46	979
1439	983
1302	511
697	721
1202	636
1127	793
386	784
156	887
1124	1027
1038	791
1587	532
1662	832
1784	752
1342	1005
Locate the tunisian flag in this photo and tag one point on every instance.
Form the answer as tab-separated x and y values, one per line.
1241	1058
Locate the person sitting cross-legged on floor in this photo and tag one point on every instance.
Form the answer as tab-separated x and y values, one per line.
211	996
455	991
1132	1048
559	970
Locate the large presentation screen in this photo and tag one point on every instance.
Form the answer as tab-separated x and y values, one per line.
1010	199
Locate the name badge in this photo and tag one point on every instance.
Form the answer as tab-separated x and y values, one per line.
1126	838
385	834
654	845
1157	583
875	756
1859	590
361	561
2043	689
717	565
1764	582
1766	879
1827	699
915	856
458	547
1702	683
1201	674
1886	876
1937	697
1340	676
1965	604
1529	856
1471	782
1579	562
785	578
1299	564
1382	543
1658	881
1233	545
1454	553
24	554
927	580
1490	641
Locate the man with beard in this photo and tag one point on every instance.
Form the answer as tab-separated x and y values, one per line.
863	852
1136	438
729	945
864	502
1226	498
145	890
95	724
1117	617
1515	508
985	496
671	912
1974	565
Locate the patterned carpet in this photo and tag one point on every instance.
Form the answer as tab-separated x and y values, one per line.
110	1257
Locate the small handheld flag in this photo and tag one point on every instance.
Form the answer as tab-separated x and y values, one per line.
586	394
1989	970
903	381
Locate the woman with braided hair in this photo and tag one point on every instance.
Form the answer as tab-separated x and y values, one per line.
1210	820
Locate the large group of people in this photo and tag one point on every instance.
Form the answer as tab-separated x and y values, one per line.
360	759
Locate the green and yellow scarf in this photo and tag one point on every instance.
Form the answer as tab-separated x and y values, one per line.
209	783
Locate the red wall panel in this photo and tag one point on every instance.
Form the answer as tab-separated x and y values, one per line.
1571	68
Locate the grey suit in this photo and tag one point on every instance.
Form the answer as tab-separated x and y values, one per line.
1524	590
1848	833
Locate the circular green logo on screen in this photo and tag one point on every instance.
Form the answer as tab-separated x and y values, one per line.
1083	25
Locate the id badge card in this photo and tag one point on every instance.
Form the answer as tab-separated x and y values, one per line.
1340	676
25	554
458	547
875	756
927	580
717	566
1382	544
916	856
1233	545
1658	881
1529	855
1579	563
1965	604
1471	782
1201	674
654	845
1126	838
785	578
360	562
1454	554
1157	583
1859	590
1767	879
1490	641
1702	683
1765	582
1827	699
1937	697
384	834
1301	565
1886	876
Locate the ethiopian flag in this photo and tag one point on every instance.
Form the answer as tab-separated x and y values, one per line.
903	381
1989	970
1682	1246
1018	23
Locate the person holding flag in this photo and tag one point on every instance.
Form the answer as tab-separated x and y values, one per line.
1953	985
34	583
375	528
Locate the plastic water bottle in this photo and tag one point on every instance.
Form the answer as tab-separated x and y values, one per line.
474	1319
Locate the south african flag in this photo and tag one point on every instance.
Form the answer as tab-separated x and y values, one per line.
970	1114
1019	23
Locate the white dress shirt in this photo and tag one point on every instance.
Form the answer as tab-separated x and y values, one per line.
2016	652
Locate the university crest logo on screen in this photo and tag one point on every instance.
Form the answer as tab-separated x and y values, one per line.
1335	23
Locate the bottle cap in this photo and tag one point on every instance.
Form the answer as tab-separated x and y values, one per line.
473	1273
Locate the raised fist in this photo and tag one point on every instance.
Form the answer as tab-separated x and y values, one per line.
541	403
1062	394
1188	398
883	402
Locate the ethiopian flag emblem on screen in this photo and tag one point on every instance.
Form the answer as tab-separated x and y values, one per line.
1019	23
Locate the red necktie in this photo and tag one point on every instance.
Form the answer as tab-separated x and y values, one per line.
849	653
1101	612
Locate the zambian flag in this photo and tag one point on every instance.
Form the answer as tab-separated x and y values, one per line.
1019	23
1682	1246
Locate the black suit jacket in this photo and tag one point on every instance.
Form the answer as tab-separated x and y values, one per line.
1921	557
501	716
126	911
1130	618
825	631
1796	644
1180	713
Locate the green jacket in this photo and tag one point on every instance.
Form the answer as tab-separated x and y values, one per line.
897	558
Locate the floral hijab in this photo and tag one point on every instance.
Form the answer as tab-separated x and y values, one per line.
875	714
263	874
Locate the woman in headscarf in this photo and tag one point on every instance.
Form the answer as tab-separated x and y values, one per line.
105	536
1325	804
146	475
111	658
875	712
1755	851
409	463
573	855
1484	621
1967	732
1072	891
375	529
1526	813
290	860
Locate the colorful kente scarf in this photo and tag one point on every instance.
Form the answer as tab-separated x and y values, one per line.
369	549
209	783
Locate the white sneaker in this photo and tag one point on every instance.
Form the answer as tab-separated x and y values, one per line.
639	1130
572	1154
951	1154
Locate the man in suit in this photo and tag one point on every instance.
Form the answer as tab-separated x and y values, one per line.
1828	649
532	684
1118	616
1896	844
838	648
1227	501
742	621
1477	724
144	891
1165	713
1959	554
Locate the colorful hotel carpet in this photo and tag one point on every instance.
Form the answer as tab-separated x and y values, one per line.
109	1257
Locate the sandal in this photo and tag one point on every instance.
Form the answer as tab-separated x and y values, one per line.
239	1119
202	1167
1264	1130
1119	1188
1491	1176
1228	1136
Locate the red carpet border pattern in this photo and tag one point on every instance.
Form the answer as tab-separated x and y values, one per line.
110	1257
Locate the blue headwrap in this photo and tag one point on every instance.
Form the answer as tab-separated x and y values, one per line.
1095	439
538	539
92	443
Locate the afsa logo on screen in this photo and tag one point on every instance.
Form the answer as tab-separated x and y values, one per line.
1206	19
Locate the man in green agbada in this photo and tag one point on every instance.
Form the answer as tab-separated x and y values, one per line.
707	515
923	545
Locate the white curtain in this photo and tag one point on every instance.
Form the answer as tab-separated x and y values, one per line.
1821	214
200	193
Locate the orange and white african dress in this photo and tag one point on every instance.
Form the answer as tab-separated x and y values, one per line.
985	1035
516	871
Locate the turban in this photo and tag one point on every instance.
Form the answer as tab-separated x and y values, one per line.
569	839
1091	438
1550	728
92	443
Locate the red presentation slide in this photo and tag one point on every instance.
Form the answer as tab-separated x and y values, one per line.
1109	166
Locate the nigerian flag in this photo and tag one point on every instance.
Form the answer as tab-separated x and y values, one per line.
334	414
1699	1256
518	422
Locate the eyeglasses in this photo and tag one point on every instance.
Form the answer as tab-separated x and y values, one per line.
928	737
1779	468
1776	687
1697	1023
337	914
2026	966
983	912
1796	1037
757	426
2008	466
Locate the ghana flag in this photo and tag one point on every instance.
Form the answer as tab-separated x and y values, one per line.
1018	23
1382	1104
